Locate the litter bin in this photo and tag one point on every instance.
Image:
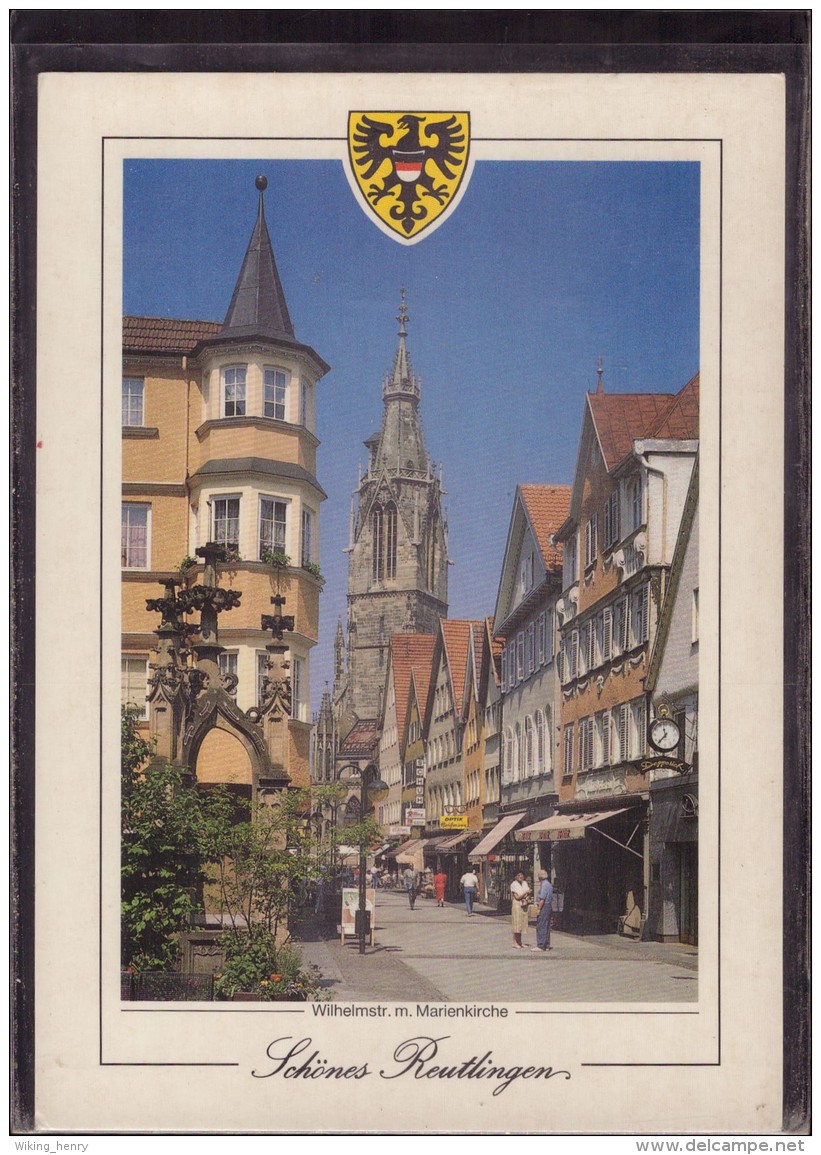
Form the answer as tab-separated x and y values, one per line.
358	916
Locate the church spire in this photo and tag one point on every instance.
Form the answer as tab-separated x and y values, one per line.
401	444
258	306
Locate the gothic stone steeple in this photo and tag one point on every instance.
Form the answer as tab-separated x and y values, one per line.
397	570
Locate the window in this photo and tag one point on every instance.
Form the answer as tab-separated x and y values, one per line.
303	402
695	616
639	743
621	626
622	719
133	392
272	524
225	520
134	525
607	633
634	502
611	520
603	735
526	573
274	384
570	562
549	627
586	744
591	541
530	648
307	536
530	745
377	532
233	391
639	606
545	743
573	655
520	656
228	664
540	640
298	705
518	752
390	541
590	645
262	675
505	654
568	750
134	685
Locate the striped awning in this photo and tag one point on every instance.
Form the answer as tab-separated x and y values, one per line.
495	836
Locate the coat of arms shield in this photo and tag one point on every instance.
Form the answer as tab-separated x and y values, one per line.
409	167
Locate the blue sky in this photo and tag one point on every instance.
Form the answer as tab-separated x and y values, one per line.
541	269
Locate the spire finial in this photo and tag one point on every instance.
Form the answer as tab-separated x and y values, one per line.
402	316
599	375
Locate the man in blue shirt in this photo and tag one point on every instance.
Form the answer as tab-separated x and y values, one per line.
544	902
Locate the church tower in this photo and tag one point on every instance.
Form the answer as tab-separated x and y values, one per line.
398	551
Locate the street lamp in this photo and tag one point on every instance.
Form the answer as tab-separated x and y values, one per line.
371	787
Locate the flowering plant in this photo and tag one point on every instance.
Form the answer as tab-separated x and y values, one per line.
277	558
257	967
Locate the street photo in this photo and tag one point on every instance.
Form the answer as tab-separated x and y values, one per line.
410	568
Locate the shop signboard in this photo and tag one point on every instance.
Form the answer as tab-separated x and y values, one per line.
415	816
398	830
453	822
350	905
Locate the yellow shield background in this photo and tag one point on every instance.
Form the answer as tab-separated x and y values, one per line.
408	166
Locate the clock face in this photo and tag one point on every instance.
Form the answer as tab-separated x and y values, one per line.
664	734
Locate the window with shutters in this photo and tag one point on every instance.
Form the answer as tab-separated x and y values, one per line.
545	742
530	744
504	670
517	752
638	745
573	656
590	645
586	744
611	520
621	626
635	505
570	562
639	607
567	768
549	628
603	738
520	656
622	721
540	640
530	648
607	634
591	541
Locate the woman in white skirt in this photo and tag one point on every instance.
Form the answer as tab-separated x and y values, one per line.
520	894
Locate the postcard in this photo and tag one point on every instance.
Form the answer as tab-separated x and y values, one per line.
447	608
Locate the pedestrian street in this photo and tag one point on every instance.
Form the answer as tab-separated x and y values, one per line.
443	955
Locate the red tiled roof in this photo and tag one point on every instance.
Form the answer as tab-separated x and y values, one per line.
621	418
420	678
165	335
680	421
547	507
496	644
456	635
409	652
361	740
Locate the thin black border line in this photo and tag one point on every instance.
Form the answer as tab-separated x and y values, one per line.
102	615
616	140
209	1011
483	139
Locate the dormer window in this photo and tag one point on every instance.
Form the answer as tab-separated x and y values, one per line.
233	390
526	573
275	383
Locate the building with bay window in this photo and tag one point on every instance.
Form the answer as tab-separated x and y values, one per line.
219	445
634	467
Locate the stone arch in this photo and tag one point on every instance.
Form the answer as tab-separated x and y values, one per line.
222	758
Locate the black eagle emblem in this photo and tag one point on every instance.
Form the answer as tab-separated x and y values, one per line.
412	176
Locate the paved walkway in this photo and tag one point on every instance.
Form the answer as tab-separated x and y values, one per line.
439	954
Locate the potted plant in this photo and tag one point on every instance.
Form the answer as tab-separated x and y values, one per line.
276	558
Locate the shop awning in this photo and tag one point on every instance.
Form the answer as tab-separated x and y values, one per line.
403	848
451	845
561	827
434	845
495	836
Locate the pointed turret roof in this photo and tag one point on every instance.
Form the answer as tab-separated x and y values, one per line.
258	306
401	443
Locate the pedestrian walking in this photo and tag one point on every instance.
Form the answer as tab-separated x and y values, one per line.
375	877
520	893
470	884
544	901
440	881
410	880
